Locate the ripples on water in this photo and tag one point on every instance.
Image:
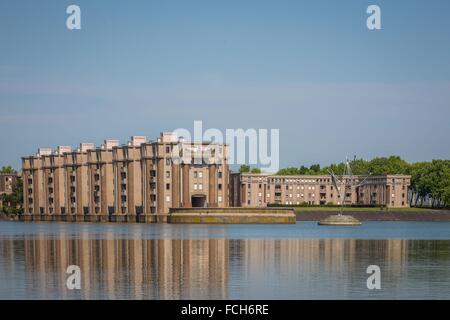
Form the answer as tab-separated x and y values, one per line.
303	261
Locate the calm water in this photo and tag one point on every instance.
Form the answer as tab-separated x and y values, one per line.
302	261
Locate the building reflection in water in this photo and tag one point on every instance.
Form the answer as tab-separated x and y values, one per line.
201	269
128	268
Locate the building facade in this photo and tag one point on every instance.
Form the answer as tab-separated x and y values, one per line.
261	190
132	182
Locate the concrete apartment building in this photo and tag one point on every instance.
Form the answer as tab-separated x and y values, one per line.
260	190
132	182
183	175
101	177
128	180
53	180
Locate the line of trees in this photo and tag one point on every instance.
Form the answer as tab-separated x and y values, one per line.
428	179
247	169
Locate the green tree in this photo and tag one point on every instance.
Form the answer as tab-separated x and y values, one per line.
12	203
244	168
290	171
314	169
303	170
255	170
7	170
391	165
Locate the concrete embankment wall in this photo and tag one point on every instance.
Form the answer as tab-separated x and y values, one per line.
231	216
185	216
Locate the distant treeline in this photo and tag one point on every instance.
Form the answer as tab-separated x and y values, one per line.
429	180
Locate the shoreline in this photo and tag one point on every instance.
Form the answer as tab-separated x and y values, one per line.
308	215
420	216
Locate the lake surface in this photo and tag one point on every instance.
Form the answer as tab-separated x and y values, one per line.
162	261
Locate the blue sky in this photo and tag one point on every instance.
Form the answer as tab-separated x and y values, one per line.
310	68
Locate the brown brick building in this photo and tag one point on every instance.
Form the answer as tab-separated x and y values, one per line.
260	190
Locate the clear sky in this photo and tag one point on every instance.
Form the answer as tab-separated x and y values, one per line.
310	68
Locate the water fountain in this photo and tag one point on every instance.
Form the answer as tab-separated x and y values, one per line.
349	184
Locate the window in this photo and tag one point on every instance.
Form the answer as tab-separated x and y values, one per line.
200	186
200	174
167	174
220	174
195	174
167	198
195	186
168	163
167	149
220	198
167	186
220	186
